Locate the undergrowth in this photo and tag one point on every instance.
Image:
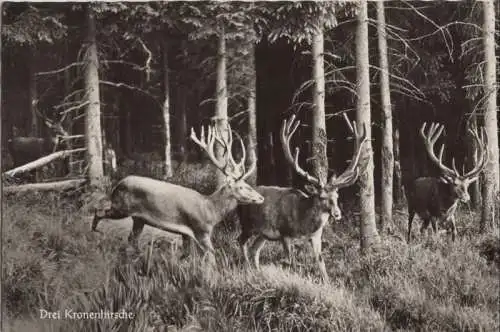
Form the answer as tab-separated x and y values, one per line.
51	261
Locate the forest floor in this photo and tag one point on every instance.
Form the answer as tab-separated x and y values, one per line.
52	261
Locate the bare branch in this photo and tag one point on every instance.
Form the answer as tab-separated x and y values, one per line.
57	71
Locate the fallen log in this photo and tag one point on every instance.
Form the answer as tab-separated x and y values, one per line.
56	186
41	162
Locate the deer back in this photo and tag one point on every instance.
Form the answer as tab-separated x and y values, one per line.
286	212
431	195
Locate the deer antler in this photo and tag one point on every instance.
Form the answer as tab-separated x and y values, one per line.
350	175
207	144
430	139
482	142
288	128
230	167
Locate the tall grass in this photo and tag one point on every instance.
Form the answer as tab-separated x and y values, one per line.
51	261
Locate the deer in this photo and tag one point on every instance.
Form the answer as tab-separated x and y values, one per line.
181	210
289	213
437	198
25	149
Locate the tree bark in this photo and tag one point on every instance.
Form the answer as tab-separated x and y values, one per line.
220	116
41	161
398	193
491	171
35	123
319	141
252	115
93	115
471	161
58	185
166	113
387	146
369	234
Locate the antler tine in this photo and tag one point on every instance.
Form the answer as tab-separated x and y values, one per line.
207	144
241	163
288	128
351	173
252	167
430	139
484	155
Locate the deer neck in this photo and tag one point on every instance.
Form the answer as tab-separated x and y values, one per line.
448	199
222	202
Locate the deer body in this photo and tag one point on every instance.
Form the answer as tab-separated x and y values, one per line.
436	199
289	213
178	209
286	214
433	200
25	149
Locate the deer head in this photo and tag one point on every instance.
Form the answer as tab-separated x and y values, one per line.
459	183
58	131
234	172
327	193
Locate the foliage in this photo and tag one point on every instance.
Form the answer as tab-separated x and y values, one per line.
31	24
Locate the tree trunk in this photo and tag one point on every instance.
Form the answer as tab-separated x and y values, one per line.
252	115
181	132
68	121
398	175
387	146
166	114
93	116
491	171
35	123
471	161
319	141
220	116
369	234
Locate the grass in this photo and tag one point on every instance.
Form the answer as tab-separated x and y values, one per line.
52	261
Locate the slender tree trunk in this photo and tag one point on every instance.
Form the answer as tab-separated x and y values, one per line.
252	114
181	132
220	117
35	123
369	234
93	116
475	186
398	175
68	120
387	146
319	141
166	114
491	171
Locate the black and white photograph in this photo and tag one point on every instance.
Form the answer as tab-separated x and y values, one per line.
225	166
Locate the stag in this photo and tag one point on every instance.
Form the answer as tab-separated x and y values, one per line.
181	210
436	198
29	148
289	213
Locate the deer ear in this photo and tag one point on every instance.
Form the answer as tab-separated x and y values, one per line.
472	179
312	190
446	179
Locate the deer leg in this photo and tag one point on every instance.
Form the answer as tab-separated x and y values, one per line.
453	228
243	240
137	228
256	248
287	246
207	247
316	246
186	246
434	225
425	224
411	215
107	214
